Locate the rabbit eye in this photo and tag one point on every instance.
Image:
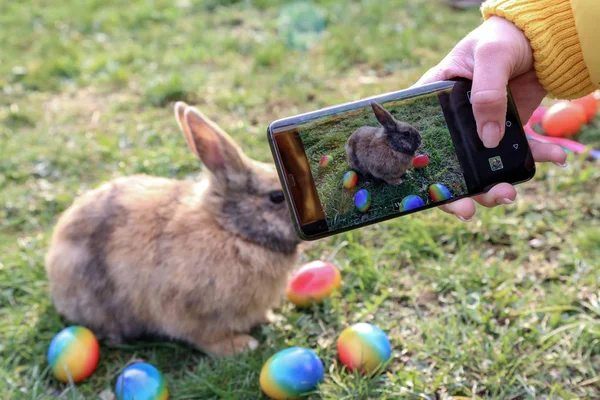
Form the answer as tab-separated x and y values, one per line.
276	196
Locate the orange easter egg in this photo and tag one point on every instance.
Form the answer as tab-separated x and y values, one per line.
590	106
563	119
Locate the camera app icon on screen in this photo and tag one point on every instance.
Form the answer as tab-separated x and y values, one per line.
496	163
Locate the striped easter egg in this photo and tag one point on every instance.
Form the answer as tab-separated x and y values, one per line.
73	354
313	282
439	192
363	347
291	373
412	202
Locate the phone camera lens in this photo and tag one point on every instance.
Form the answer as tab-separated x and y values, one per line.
276	196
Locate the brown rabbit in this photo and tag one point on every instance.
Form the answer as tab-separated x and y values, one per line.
384	153
201	261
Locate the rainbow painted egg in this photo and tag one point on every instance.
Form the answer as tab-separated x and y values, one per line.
439	192
420	161
313	282
141	381
411	202
326	161
363	347
291	373
73	354
362	200
350	179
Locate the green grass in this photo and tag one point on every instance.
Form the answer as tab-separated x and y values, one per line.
506	307
329	135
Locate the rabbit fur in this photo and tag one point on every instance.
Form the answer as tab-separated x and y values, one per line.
201	261
384	153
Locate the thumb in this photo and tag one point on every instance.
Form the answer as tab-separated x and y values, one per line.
492	69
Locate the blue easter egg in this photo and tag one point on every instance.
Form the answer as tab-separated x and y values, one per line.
141	381
362	200
411	202
291	373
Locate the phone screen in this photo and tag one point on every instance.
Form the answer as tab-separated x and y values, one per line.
364	162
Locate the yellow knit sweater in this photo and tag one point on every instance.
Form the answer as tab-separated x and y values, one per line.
566	58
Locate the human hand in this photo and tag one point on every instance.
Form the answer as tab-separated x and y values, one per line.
495	55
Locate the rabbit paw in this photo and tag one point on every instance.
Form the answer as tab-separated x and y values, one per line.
231	345
395	181
269	318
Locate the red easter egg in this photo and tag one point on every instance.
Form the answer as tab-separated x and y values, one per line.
589	104
313	281
563	119
420	161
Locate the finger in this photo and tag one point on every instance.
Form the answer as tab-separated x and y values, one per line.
503	193
464	209
432	75
548	152
492	70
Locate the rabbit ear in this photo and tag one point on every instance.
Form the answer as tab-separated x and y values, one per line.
180	107
383	116
217	151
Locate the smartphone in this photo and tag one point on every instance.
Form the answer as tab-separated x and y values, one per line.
360	163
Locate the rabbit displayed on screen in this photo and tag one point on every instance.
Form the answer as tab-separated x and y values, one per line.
385	152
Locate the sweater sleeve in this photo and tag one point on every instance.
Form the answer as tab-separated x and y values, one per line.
550	27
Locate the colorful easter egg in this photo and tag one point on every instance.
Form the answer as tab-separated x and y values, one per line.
313	282
439	192
363	347
362	200
563	119
326	161
73	354
589	104
291	373
141	381
420	161
350	179
411	202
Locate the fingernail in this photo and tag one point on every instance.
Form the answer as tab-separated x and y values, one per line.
505	200
490	134
463	219
563	165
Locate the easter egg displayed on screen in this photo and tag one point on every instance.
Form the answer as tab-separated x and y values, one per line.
313	282
350	179
411	202
563	119
73	354
291	373
420	161
326	161
363	347
141	381
589	104
439	192
362	200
